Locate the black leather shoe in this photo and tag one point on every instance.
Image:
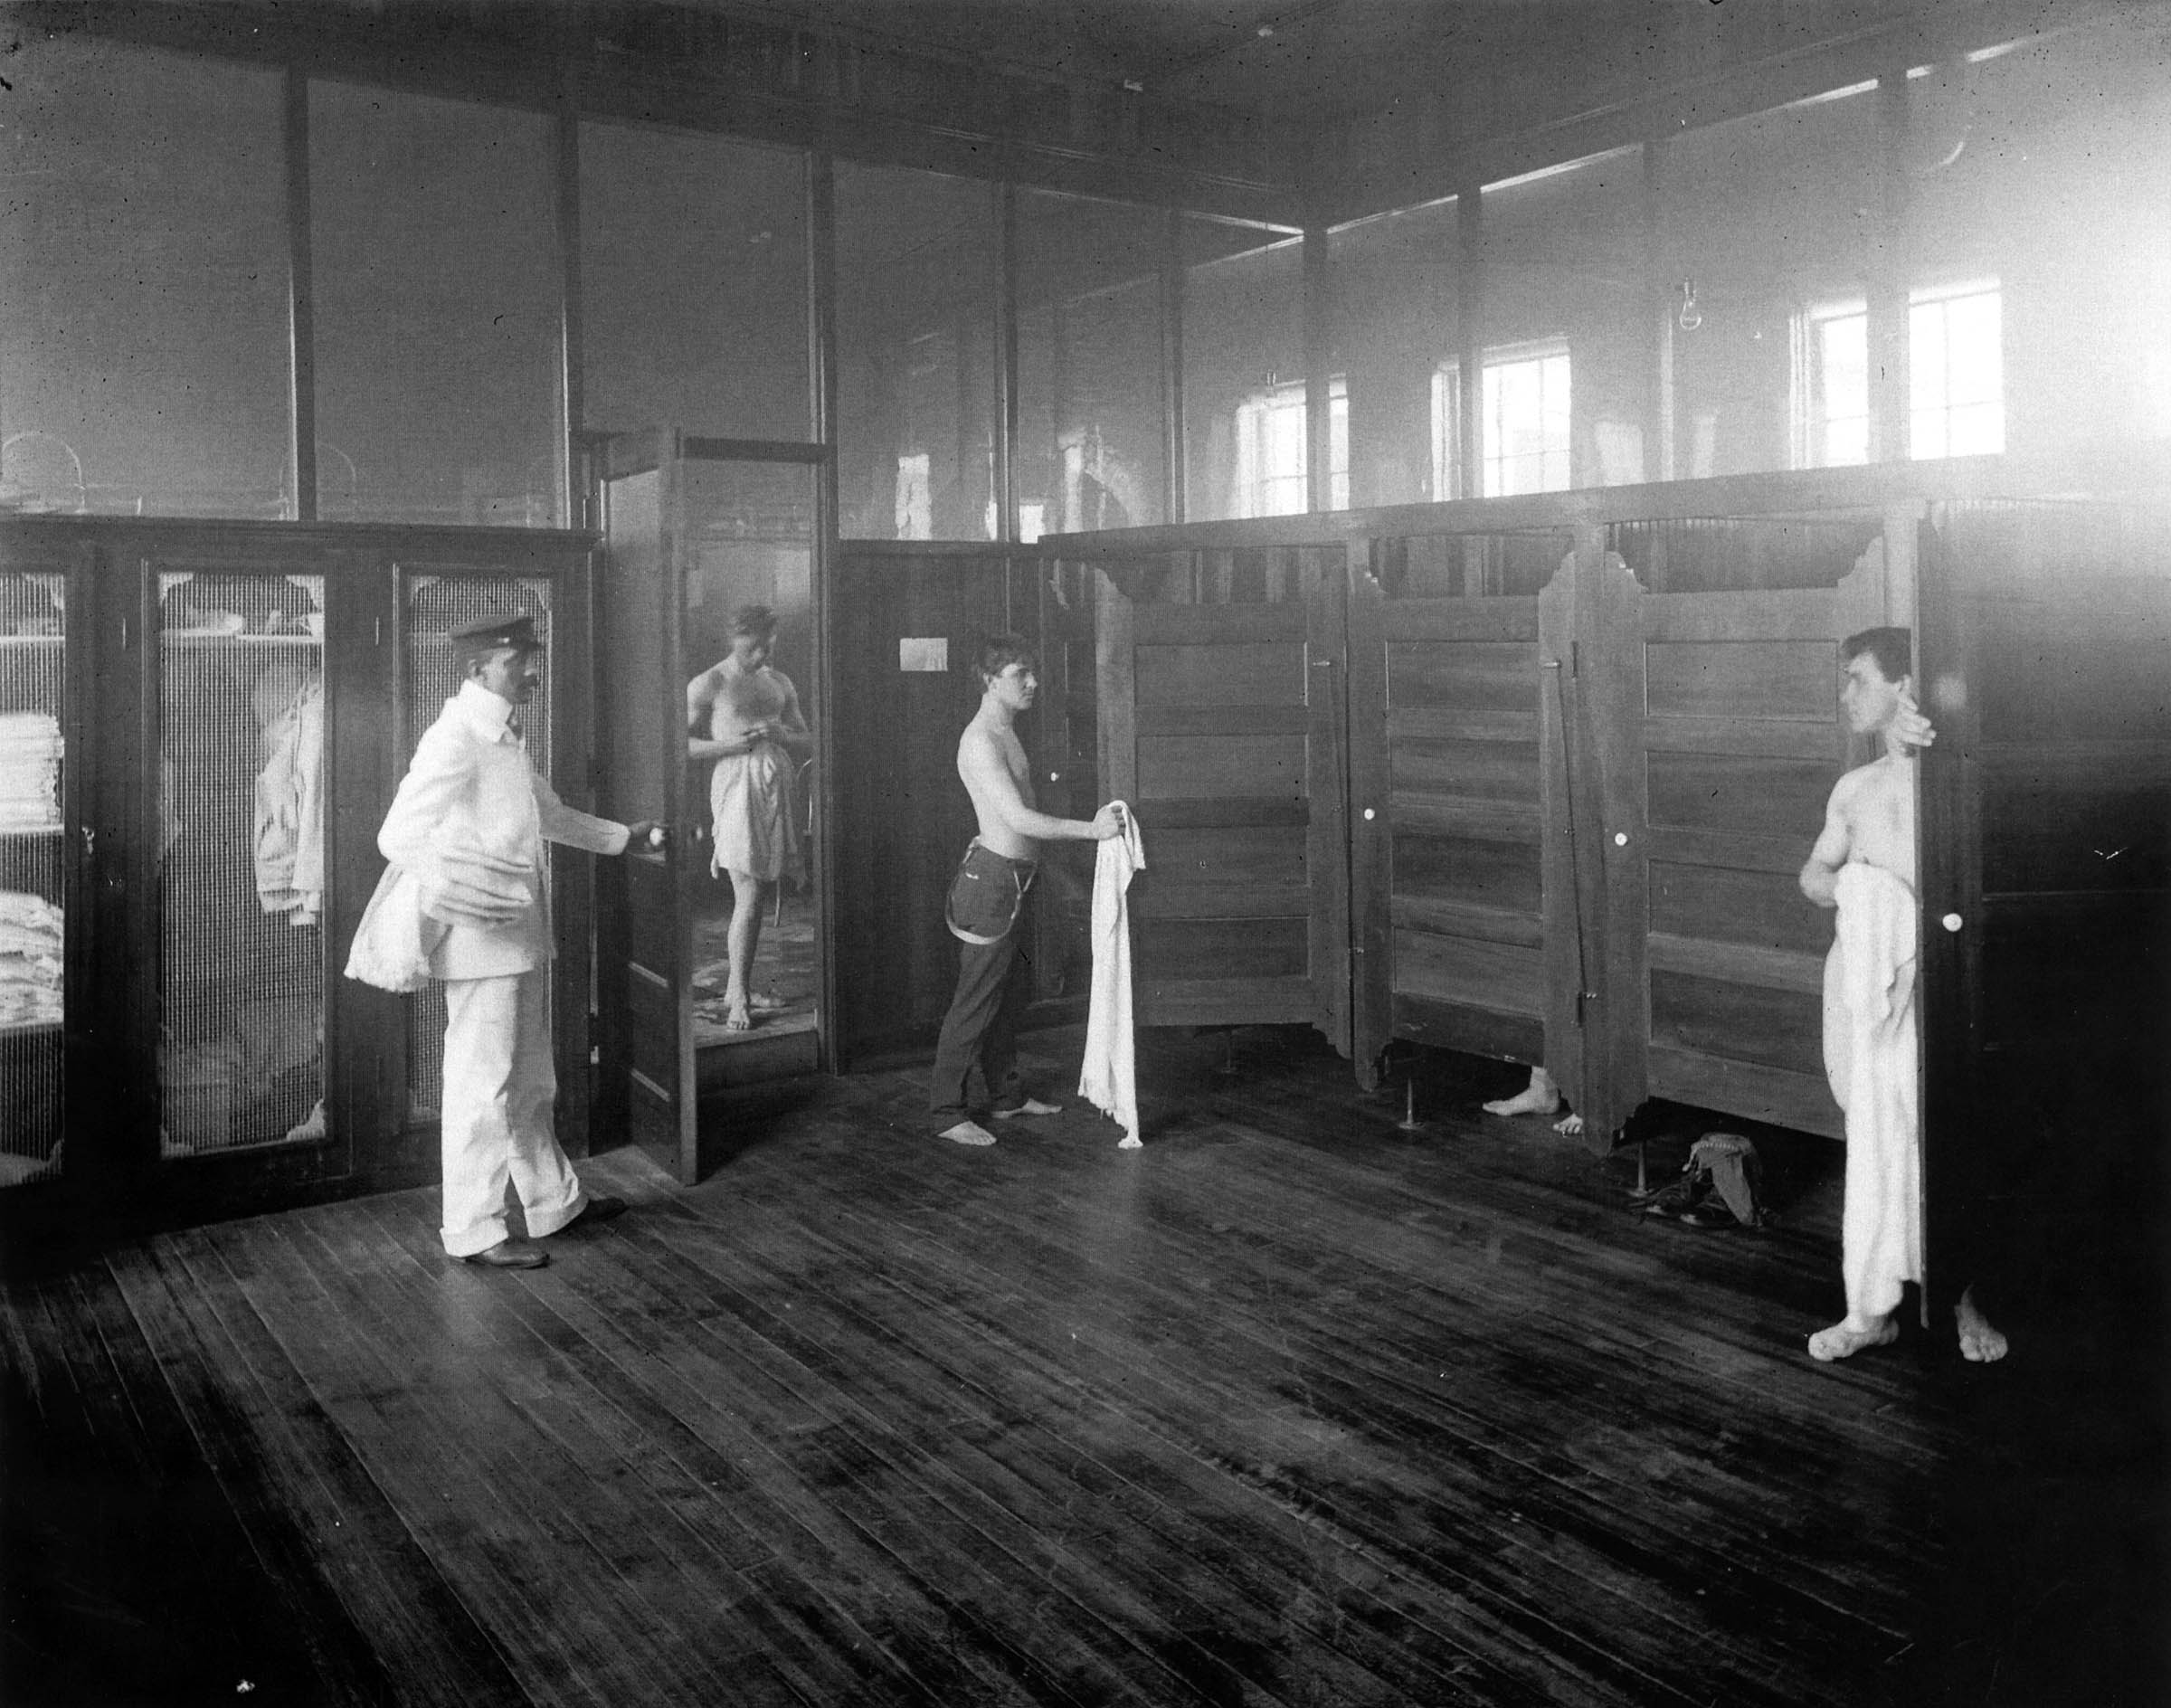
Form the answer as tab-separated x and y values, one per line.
506	1255
599	1208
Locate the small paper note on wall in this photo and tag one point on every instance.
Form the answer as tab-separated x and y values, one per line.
923	652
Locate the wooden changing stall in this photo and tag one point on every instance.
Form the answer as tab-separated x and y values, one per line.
1578	800
1716	736
1221	713
1511	779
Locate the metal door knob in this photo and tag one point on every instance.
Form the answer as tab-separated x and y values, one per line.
1951	922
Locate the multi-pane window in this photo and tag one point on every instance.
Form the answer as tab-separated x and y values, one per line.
1447	430
1956	373
1955	382
1524	427
1832	410
1270	451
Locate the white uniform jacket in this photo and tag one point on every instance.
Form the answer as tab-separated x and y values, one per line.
473	787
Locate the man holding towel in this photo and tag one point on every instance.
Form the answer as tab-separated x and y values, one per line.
989	907
1863	864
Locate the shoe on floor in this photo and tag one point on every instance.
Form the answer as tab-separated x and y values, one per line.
508	1254
967	1133
599	1206
1031	1105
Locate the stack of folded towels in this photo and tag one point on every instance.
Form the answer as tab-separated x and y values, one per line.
30	771
30	960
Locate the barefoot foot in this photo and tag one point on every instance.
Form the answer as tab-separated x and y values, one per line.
1844	1340
1569	1124
967	1133
1980	1343
1540	1096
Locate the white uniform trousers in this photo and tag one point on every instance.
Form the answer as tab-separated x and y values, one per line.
499	1097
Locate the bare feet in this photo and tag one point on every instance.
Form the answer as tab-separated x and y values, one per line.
967	1133
735	1017
1031	1105
1844	1340
1980	1343
1570	1125
1540	1096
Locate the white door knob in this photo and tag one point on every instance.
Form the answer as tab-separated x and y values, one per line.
1620	838
1951	922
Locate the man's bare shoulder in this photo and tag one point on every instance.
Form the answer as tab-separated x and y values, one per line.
978	742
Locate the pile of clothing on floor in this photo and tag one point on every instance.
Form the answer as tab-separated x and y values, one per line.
30	771
31	990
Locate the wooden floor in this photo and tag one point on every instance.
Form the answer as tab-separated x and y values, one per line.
1292	1407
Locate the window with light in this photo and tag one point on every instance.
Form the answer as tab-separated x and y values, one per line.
1956	378
1526	422
1270	451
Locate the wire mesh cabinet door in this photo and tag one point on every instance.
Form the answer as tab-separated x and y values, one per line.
41	847
232	822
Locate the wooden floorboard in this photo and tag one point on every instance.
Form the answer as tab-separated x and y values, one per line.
1292	1407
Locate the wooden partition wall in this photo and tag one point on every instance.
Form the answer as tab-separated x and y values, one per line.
1585	744
907	622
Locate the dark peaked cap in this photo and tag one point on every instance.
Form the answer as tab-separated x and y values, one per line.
500	629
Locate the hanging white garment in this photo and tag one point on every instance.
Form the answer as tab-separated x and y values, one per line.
290	798
1108	1077
1870	1057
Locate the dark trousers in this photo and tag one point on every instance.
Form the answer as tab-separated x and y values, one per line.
976	1057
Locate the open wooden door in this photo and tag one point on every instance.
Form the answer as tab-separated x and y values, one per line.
1221	724
1718	750
2045	656
645	1018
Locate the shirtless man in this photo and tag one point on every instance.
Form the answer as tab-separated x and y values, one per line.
1871	818
745	716
988	911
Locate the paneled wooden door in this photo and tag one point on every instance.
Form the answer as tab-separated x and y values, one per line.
2045	656
1456	757
1222	725
647	1088
1719	740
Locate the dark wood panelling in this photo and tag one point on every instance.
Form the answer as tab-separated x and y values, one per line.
1248	674
2100	827
1265	855
1484	770
1752	1090
903	817
1502	875
1469	971
1220	767
1482	1031
1462	674
1738	795
1222	720
1730	905
1740	1022
1741	679
1233	948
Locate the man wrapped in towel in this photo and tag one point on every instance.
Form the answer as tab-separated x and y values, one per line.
743	714
1863	866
